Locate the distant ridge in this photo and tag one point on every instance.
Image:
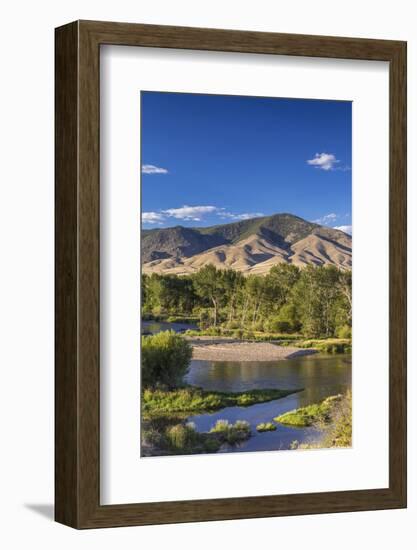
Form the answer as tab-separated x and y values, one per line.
249	246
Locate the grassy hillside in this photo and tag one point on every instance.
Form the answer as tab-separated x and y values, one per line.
282	230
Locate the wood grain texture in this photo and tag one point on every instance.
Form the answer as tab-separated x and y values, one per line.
66	236
78	284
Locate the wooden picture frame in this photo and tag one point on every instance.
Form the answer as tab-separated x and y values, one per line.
77	405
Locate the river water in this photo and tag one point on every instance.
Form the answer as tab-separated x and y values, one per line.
321	375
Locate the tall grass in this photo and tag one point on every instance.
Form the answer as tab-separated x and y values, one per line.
232	433
266	427
182	438
191	399
318	413
335	424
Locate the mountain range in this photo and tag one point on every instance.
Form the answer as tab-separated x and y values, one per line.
250	246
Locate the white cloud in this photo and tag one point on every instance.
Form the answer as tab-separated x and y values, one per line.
194	214
190	213
327	219
330	220
345	228
244	216
151	169
152	217
323	161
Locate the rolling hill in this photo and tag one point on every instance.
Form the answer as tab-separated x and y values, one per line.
249	246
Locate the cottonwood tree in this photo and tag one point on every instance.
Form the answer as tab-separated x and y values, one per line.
209	286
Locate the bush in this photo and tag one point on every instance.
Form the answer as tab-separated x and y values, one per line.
258	326
214	331
286	321
266	427
181	438
344	332
165	359
169	436
331	345
221	426
238	333
231	433
276	325
191	332
205	319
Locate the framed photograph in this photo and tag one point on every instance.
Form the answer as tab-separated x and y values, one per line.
230	274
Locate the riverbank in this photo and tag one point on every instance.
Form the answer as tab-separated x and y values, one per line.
180	439
332	416
226	393
195	400
165	430
208	348
317	413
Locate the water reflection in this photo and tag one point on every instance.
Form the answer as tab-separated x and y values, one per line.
320	375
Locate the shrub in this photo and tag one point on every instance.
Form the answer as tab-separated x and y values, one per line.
258	326
275	324
220	426
171	436
214	331
205	319
266	427
165	359
191	332
180	437
239	431
344	332
330	345
335	347
231	433
238	333
241	425
286	321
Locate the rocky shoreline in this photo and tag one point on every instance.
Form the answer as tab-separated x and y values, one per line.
207	348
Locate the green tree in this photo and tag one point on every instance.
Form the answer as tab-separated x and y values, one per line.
232	284
286	320
255	289
279	284
315	296
209	286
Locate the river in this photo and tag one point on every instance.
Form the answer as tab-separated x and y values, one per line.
321	375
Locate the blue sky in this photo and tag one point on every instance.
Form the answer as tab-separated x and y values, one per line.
210	159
